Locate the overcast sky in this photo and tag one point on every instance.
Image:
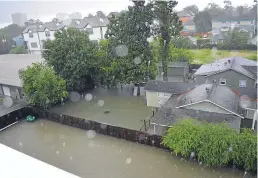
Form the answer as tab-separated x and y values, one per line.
46	10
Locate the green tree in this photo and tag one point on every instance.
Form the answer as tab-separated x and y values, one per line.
18	50
214	9
132	29
192	10
73	57
42	86
182	42
180	55
168	26
203	22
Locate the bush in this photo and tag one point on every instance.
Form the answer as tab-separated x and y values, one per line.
180	55
253	57
213	144
18	50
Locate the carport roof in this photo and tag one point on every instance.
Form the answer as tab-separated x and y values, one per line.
10	64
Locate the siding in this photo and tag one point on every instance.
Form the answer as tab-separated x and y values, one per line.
154	100
207	106
231	76
29	40
96	34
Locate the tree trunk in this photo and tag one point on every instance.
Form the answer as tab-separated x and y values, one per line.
165	61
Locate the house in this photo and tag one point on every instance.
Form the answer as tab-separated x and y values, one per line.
207	102
18	40
224	23
185	17
235	72
189	26
10	64
158	92
177	71
37	33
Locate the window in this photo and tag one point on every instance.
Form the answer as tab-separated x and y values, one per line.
242	83
222	81
30	34
47	33
34	45
89	30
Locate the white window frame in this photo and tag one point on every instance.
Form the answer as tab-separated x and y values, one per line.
47	33
240	84
222	80
30	35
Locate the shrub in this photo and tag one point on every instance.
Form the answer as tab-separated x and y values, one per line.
18	50
214	144
252	57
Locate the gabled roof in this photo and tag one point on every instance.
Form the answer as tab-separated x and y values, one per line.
183	14
33	28
221	96
52	26
168	87
234	63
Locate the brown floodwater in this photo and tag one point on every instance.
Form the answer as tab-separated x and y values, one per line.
91	155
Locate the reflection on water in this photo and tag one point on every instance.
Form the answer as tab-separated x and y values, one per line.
91	155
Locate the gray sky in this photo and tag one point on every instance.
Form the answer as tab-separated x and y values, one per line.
46	10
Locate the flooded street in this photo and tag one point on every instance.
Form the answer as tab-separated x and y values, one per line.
94	156
124	109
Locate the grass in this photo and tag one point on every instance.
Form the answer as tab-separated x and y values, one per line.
205	56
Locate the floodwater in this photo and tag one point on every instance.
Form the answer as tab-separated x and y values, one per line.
88	155
124	109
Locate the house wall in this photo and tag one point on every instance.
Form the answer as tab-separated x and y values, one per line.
42	36
231	76
96	34
31	40
207	106
156	99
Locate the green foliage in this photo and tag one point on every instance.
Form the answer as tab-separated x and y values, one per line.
169	25
73	57
180	55
253	57
132	29
214	144
8	33
204	43
42	86
182	42
234	39
202	21
18	50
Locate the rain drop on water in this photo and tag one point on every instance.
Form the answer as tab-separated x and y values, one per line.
137	60
64	144
71	158
88	97
57	152
121	50
75	96
128	161
91	134
100	103
8	102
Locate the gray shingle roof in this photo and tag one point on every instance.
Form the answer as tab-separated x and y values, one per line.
94	21
33	28
217	94
168	87
10	64
252	69
52	26
222	65
183	14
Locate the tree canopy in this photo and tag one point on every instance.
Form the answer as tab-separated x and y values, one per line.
72	55
42	86
203	21
193	9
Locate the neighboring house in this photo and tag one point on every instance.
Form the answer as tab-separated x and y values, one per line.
223	23
189	26
19	40
10	64
185	17
36	34
177	71
158	92
235	72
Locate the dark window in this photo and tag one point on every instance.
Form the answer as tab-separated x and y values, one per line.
34	45
47	33
89	30
222	81
30	34
43	42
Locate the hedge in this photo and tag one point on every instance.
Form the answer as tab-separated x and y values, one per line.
213	144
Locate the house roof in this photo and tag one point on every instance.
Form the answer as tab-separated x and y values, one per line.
32	27
174	64
10	64
168	87
183	14
222	96
189	22
169	115
223	17
52	26
94	21
234	63
252	69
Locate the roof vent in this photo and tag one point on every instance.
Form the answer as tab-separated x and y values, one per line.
229	61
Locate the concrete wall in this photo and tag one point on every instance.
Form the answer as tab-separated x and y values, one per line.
207	106
231	76
14	91
156	99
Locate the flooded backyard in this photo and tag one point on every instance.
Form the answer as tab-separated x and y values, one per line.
124	110
87	154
